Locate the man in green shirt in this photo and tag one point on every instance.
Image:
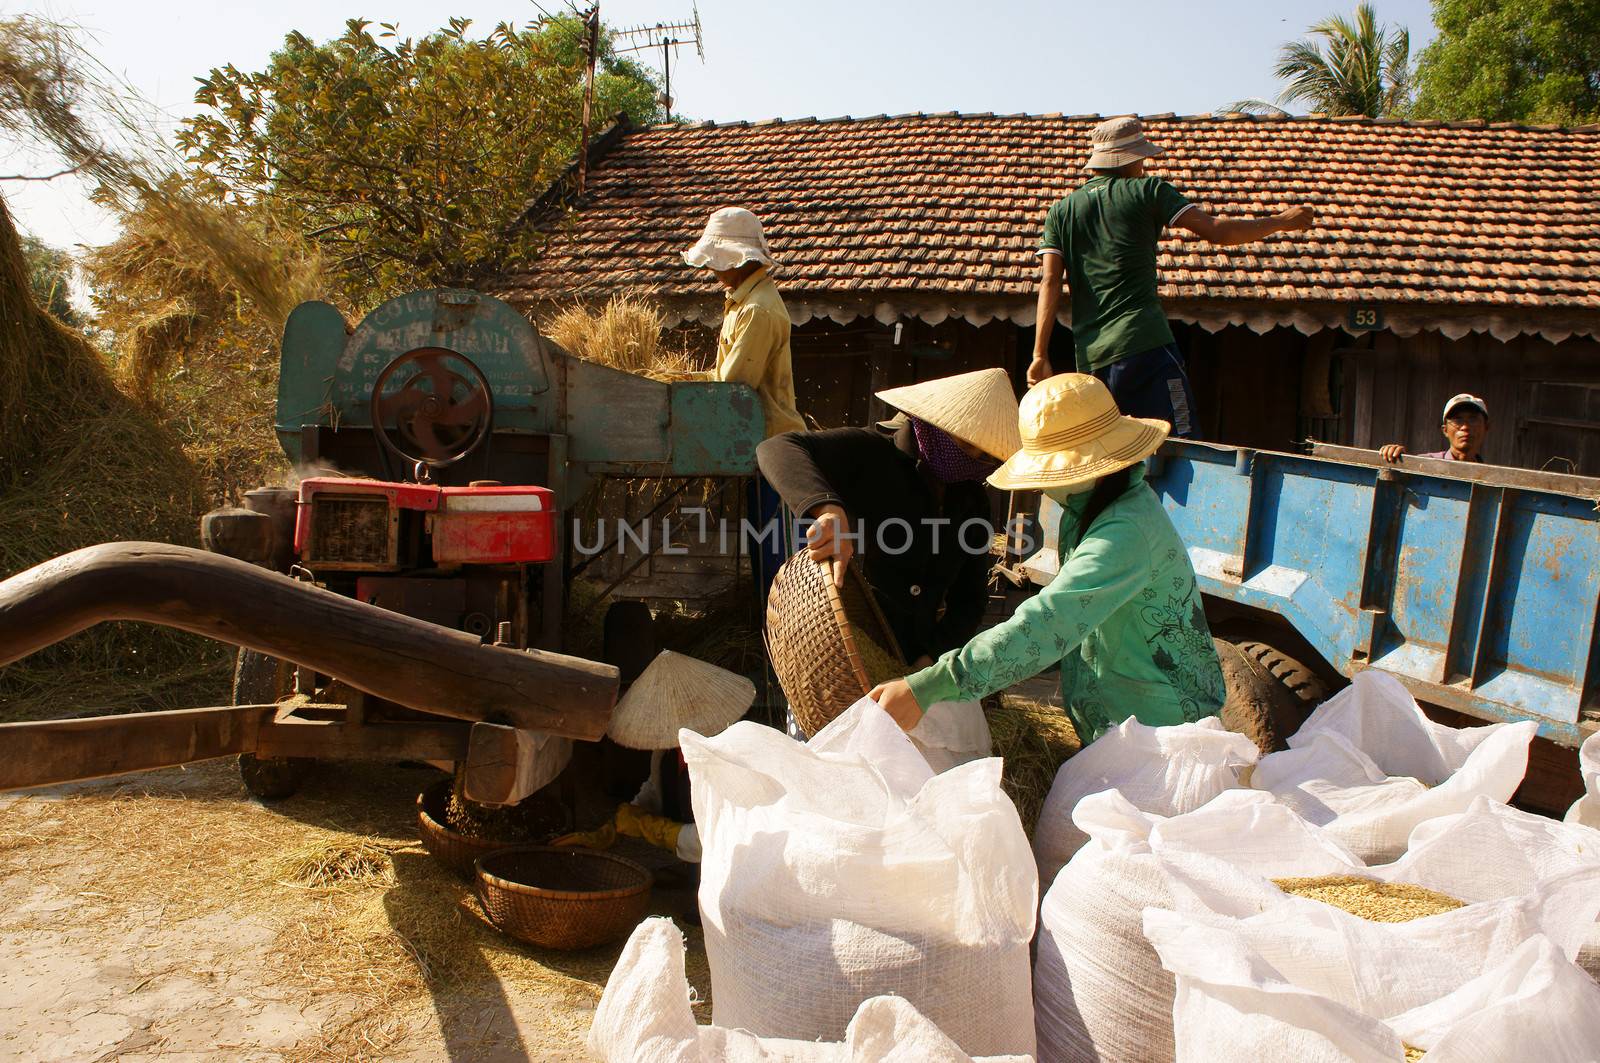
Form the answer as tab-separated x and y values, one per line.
1102	240
1123	614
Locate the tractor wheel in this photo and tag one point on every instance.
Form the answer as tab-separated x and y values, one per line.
1269	695
262	680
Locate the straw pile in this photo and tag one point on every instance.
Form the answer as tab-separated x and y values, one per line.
1378	902
627	334
1035	738
82	464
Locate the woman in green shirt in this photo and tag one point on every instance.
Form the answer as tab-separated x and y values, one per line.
1123	615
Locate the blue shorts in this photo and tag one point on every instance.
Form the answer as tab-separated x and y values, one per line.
1154	384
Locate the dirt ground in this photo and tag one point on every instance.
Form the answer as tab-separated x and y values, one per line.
156	917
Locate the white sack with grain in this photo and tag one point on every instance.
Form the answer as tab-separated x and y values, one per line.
1100	992
1369	766
1235	1003
844	868
1162	770
644	1017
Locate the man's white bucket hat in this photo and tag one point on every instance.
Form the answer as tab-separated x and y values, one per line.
733	237
1117	142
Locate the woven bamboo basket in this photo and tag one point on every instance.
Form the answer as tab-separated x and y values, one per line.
562	898
451	848
812	629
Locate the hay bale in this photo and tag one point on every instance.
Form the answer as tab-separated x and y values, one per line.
1377	902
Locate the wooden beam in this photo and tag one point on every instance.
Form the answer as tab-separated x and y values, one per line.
407	661
373	741
49	752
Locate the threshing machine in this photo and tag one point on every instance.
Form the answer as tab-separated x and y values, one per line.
404	600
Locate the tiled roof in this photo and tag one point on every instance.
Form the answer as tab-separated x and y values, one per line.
859	212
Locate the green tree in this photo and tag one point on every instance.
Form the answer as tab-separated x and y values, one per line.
50	278
406	160
1512	61
1345	66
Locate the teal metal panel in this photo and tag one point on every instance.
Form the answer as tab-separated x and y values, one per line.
614	417
715	429
313	339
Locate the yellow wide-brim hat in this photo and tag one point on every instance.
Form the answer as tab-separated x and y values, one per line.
978	408
1072	433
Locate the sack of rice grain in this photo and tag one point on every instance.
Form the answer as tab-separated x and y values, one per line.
1237	1000
1100	993
952	733
644	1015
1585	811
844	869
1163	770
1505	884
1369	766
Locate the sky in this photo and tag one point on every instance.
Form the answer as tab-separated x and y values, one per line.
798	58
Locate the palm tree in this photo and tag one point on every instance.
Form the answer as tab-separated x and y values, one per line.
1358	67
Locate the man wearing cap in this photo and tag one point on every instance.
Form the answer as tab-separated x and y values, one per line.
1123	615
1102	239
912	502
753	349
1465	425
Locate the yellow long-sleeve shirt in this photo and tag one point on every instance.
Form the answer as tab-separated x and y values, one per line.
753	349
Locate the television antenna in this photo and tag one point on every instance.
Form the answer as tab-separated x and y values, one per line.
669	37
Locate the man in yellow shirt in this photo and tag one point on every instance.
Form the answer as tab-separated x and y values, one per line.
754	345
753	349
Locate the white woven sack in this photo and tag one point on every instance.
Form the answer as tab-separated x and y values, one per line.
1377	968
1100	992
1163	770
1234	1004
1369	766
644	1017
1494	851
845	869
1585	811
952	733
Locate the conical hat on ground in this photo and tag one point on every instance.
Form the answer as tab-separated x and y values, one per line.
677	691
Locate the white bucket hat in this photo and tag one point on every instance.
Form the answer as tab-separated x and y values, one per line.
733	237
1072	432
979	408
676	691
1117	142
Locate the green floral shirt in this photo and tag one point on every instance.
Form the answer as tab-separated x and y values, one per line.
1122	616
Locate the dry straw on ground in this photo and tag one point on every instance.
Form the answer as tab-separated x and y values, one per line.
1378	902
358	907
628	333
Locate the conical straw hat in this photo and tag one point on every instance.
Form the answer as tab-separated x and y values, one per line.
978	408
677	691
1072	432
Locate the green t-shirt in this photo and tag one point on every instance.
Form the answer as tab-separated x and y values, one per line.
1107	230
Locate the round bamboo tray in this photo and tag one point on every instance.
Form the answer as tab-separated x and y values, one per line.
811	639
451	848
562	898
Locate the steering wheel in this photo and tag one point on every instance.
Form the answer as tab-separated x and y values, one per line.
442	411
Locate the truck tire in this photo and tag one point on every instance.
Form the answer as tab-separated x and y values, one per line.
1268	694
262	680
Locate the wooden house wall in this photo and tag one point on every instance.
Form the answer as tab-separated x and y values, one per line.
1543	398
